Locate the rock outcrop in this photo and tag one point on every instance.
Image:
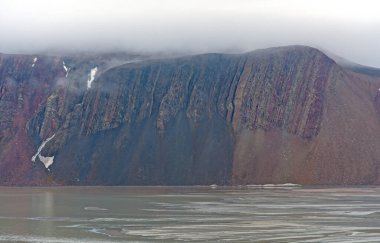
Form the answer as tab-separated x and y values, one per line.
288	114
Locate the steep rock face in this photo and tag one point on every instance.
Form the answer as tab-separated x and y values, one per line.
278	115
25	82
156	123
282	89
345	150
35	93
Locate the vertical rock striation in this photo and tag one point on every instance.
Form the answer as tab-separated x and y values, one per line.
288	114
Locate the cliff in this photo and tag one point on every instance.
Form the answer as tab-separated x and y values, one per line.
288	114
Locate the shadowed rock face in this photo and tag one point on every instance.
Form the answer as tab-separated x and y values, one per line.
278	115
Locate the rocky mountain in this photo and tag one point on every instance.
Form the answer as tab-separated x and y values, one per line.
279	115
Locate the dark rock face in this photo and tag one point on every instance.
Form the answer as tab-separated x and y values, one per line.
282	89
156	123
22	89
36	93
279	115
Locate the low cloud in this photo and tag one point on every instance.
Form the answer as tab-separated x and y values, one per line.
347	28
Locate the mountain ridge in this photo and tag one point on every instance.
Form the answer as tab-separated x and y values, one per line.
265	116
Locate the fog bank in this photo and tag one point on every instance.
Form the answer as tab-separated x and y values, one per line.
346	28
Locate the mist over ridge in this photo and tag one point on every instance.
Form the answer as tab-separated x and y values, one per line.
346	28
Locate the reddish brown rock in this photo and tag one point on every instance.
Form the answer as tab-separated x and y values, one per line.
279	115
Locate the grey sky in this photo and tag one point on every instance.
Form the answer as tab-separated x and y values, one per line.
347	28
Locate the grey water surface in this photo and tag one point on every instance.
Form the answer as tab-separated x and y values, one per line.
192	214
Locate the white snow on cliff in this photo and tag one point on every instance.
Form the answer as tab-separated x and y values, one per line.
47	161
91	77
67	70
34	61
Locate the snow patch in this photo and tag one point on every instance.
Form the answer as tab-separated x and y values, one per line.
91	77
67	70
47	161
34	61
95	209
285	185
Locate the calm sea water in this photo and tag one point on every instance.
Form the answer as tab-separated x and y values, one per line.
193	214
